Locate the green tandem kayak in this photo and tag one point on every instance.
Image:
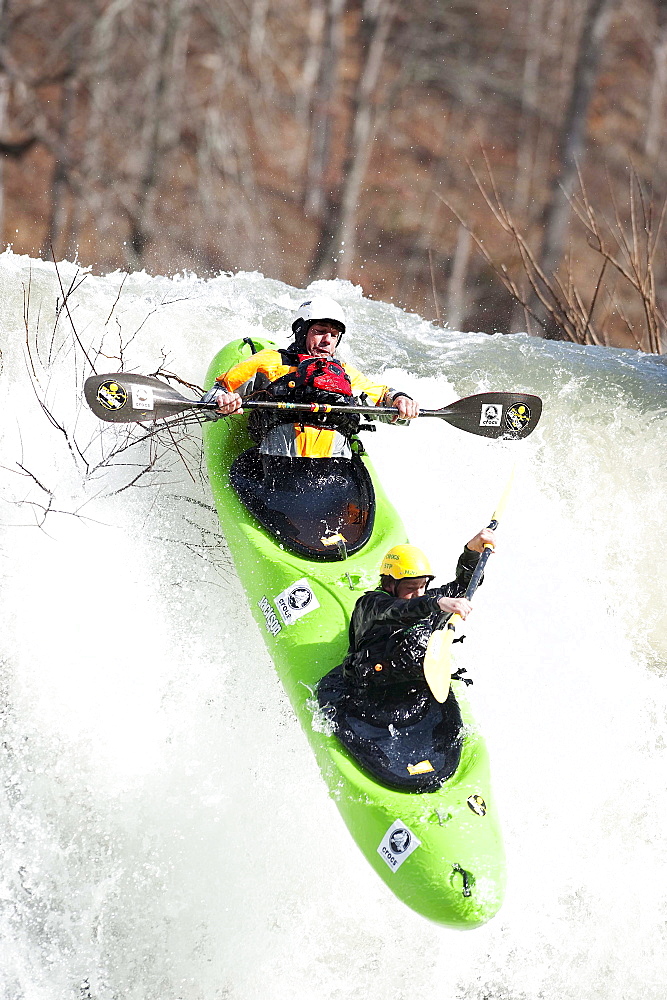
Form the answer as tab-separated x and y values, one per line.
439	847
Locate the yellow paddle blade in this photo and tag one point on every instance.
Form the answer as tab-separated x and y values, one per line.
438	663
438	660
502	503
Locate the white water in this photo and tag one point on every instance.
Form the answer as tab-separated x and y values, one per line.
165	832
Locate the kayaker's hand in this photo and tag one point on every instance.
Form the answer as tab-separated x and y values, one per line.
483	538
228	402
407	408
455	606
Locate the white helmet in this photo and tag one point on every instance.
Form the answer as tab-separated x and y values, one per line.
319	307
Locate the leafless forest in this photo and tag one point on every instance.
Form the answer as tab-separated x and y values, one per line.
494	167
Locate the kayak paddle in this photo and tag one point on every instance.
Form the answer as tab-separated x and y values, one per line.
123	398
438	656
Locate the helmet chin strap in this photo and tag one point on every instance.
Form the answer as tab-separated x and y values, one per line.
300	330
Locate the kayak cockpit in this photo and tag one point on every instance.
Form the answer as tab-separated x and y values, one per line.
321	508
413	747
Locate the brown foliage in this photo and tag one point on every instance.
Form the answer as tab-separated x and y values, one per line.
274	134
555	302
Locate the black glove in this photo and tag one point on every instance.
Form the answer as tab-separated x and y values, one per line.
212	397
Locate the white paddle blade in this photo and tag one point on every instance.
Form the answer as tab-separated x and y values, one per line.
438	663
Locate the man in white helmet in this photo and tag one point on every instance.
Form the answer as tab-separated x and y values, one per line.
306	371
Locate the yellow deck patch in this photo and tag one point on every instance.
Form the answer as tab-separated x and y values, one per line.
421	768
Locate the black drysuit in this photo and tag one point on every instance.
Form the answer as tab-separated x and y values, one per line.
388	638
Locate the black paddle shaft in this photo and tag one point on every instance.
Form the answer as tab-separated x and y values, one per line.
509	415
474	579
479	568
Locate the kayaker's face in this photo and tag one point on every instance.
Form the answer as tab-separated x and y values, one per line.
321	340
414	586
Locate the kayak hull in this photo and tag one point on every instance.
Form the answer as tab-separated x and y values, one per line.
440	852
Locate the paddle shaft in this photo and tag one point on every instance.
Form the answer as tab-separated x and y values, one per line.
127	398
259	404
450	621
371	411
481	563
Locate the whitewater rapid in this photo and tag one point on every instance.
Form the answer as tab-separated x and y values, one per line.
165	832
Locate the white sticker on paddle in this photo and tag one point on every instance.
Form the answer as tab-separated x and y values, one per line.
397	844
295	602
142	397
491	415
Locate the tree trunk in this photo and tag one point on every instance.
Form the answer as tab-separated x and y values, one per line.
530	99
310	69
60	177
4	99
456	288
656	103
323	109
157	117
572	140
337	246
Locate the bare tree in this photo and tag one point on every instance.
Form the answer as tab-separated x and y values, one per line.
456	287
4	101
338	236
571	140
60	178
38	97
156	134
656	104
630	250
224	134
326	52
626	251
531	95
312	60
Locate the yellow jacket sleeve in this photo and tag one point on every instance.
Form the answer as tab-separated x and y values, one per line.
362	385
267	362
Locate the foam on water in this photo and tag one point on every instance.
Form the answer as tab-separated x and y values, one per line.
166	833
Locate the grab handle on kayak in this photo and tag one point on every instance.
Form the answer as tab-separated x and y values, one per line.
467	891
251	345
338	540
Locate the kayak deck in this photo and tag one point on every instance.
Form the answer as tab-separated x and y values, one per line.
309	504
417	756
